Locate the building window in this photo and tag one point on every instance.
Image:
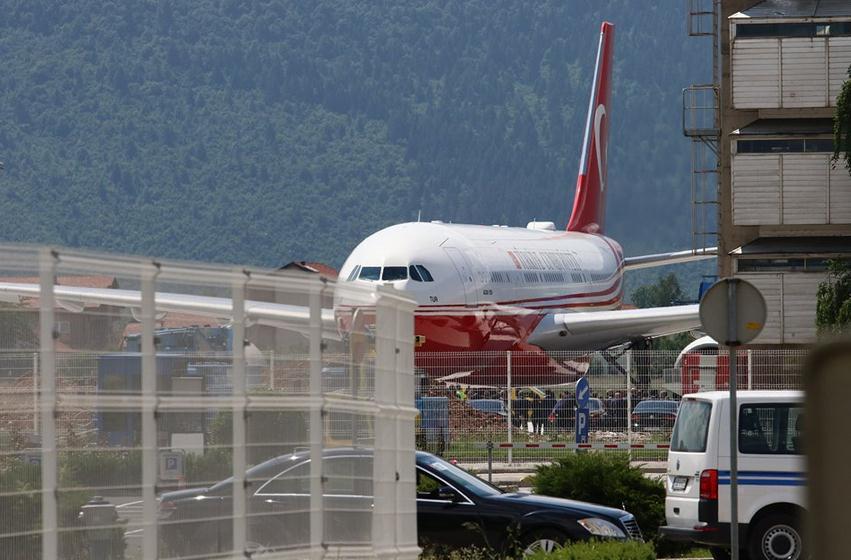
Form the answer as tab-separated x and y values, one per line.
840	29
782	265
791	145
767	30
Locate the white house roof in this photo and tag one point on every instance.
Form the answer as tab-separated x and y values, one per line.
769	9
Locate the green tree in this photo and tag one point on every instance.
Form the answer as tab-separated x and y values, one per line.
833	311
842	124
665	292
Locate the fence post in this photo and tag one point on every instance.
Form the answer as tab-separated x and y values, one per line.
272	370
47	407
238	412
149	419
508	398
490	460
316	425
750	370
629	402
35	393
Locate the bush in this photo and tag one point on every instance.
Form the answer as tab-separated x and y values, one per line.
591	550
468	553
212	466
20	504
601	550
611	481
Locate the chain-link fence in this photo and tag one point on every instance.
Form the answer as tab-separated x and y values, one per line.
527	405
162	410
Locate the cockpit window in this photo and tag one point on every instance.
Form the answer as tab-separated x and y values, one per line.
353	274
424	273
370	273
392	273
415	274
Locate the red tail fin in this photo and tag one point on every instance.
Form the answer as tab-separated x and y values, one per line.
589	206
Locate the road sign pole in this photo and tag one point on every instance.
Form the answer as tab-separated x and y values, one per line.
733	311
732	343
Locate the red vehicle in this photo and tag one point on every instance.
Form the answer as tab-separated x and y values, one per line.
703	368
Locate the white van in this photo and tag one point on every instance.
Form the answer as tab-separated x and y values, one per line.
771	474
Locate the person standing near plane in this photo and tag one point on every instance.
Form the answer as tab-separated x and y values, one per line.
546	405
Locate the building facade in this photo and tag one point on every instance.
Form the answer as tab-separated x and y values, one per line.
784	207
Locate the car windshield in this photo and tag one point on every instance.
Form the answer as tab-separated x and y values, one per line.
656	406
692	426
370	273
461	479
392	273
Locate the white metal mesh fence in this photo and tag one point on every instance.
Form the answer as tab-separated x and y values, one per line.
157	410
527	402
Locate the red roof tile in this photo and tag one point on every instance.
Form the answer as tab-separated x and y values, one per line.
315	267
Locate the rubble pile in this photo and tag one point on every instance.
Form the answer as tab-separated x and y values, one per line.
464	420
16	410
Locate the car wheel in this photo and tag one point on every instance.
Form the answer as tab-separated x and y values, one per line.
545	540
777	537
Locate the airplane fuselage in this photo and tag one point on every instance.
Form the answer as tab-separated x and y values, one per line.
488	287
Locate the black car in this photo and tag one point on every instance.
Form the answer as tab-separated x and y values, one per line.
654	415
457	509
454	509
563	415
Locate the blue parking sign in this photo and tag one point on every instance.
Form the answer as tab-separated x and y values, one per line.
583	421
583	392
171	465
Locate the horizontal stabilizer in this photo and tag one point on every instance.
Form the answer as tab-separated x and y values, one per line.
662	259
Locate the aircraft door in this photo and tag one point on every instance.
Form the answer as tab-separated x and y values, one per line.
466	273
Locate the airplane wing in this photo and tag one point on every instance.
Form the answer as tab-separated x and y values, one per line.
592	330
676	257
265	313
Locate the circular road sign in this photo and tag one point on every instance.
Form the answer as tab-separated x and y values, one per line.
749	309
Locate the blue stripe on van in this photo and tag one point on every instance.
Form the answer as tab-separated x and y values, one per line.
763	482
772	474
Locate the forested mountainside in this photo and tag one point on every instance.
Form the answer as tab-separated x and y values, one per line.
263	131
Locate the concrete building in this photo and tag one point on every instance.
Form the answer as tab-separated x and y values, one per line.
783	209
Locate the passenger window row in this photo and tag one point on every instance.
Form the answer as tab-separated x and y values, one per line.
531	276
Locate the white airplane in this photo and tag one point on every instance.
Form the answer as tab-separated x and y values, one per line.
497	288
486	288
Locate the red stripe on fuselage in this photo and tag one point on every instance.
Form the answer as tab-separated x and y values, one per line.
480	331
